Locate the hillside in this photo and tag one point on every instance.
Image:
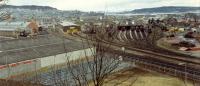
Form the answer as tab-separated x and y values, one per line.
166	9
20	13
31	7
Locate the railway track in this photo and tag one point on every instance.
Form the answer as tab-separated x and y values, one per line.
171	62
174	56
157	51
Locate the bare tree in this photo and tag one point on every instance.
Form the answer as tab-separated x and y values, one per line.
3	2
193	16
93	69
4	15
88	70
97	67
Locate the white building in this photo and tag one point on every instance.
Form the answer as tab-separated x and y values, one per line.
47	22
20	61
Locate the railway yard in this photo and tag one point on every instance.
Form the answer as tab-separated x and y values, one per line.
154	47
99	43
161	60
150	56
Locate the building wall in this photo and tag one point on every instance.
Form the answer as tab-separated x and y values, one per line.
62	58
19	68
71	29
36	64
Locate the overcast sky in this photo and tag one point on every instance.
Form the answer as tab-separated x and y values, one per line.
105	5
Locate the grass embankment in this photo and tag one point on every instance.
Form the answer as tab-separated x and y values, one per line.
136	77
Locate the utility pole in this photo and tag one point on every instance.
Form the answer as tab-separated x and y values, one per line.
185	74
185	69
123	49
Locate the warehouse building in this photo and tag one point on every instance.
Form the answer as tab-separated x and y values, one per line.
27	55
47	22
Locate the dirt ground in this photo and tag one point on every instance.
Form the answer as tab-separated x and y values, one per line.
165	45
136	77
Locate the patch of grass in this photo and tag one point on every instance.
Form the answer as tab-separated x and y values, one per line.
136	77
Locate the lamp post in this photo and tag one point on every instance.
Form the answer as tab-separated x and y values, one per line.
123	50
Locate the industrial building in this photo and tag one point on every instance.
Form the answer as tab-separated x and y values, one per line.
27	55
47	22
15	29
70	28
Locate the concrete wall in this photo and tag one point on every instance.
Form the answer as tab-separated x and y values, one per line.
62	58
32	65
19	68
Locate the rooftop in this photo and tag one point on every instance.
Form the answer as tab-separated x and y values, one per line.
15	50
67	23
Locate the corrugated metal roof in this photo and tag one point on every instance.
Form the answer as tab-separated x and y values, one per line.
13	51
67	23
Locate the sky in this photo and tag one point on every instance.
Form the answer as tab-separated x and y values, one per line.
105	5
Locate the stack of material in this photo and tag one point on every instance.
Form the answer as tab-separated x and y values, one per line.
183	48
